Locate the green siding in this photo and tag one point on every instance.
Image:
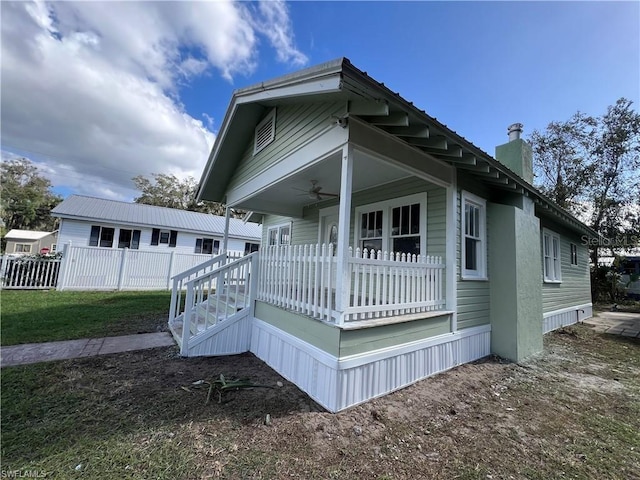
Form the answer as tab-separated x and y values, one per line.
296	124
364	340
473	295
305	229
575	288
321	335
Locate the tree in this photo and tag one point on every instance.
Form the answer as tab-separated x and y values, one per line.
590	167
26	197
165	190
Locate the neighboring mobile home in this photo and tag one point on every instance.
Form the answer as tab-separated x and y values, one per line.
101	223
30	242
393	248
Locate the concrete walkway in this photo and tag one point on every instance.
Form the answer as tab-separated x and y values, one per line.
86	347
617	323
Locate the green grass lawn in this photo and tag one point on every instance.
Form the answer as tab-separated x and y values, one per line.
49	315
572	412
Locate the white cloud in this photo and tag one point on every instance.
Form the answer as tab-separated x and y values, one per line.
91	90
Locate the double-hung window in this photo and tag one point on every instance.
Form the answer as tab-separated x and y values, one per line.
473	243
279	235
101	236
551	256
396	226
129	239
208	246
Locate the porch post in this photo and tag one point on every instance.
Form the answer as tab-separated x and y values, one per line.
343	277
451	271
225	240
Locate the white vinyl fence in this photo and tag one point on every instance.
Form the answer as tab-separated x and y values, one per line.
28	273
91	268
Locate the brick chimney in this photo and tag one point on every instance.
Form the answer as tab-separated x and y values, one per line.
516	154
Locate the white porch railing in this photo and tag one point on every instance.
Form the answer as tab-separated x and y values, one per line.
180	280
302	278
216	296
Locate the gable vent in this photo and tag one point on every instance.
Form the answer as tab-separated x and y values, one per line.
265	132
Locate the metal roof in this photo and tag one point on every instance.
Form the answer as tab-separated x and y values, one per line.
81	207
414	126
26	234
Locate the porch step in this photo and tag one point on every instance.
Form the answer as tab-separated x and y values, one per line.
210	312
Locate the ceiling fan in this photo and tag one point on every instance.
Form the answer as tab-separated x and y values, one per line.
316	193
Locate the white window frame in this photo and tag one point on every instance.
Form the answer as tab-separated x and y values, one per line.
278	228
387	207
479	273
24	248
54	247
551	257
573	254
271	117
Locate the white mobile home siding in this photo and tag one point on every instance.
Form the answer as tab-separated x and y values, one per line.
78	232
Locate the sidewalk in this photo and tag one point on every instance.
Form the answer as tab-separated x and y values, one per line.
86	347
616	323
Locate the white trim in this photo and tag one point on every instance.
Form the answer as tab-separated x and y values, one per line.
414	161
337	384
557	278
386	353
568	309
481	272
451	290
323	357
322	213
317	149
278	227
386	206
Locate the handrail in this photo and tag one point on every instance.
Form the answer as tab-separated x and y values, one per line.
178	280
217	292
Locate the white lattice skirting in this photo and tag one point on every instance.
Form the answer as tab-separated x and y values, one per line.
339	383
566	316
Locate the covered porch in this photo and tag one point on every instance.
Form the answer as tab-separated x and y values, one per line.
360	230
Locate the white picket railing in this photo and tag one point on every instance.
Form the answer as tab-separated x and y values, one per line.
28	273
384	284
216	295
302	278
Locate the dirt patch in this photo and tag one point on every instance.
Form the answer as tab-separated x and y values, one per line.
571	412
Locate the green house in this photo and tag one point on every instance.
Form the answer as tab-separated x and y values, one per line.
392	249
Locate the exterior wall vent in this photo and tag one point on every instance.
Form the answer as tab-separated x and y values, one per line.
265	132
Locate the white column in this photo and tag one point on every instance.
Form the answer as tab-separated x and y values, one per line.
225	240
343	279
451	269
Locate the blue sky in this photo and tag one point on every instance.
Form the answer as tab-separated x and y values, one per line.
125	104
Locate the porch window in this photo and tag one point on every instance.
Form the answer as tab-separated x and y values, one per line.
129	239
279	235
397	226
53	247
371	230
22	248
208	246
405	229
101	236
551	254
473	243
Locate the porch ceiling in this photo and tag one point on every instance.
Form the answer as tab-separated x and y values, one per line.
290	195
